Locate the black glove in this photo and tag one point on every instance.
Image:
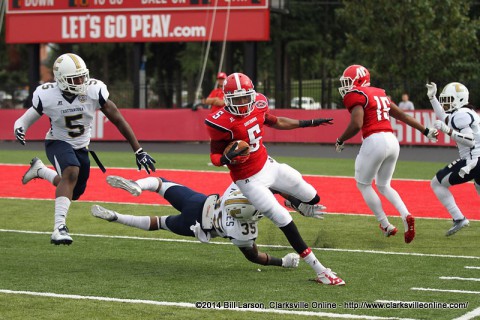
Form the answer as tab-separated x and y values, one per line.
232	153
144	159
315	122
20	135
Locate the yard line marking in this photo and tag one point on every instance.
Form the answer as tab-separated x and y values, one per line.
459	278
260	245
444	290
192	305
470	267
469	315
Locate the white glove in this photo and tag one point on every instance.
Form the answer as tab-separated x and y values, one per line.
432	90
442	126
291	260
431	134
339	146
312	210
199	233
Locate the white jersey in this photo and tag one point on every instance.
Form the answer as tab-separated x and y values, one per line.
241	233
70	119
465	120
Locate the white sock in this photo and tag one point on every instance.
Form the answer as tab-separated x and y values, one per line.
149	184
309	257
163	223
140	222
47	174
374	203
446	198
394	198
61	209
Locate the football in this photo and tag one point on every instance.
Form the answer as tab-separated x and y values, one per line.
241	145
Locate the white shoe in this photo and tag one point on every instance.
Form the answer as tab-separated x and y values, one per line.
61	236
329	277
457	225
122	183
102	213
32	172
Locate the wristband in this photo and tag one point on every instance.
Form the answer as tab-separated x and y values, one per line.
305	123
139	150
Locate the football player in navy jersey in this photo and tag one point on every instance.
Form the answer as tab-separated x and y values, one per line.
202	216
457	119
70	103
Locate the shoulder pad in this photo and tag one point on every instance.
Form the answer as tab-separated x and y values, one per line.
461	120
261	101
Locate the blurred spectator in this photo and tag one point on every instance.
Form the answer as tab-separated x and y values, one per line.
405	104
215	98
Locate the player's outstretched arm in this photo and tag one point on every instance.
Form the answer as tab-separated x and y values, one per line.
284	123
290	260
397	113
143	159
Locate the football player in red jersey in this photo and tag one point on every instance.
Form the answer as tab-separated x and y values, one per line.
370	110
215	98
243	118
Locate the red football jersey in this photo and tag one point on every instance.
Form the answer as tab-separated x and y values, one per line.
223	127
216	93
376	108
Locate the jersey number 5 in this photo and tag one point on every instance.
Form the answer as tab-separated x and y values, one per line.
79	127
383	106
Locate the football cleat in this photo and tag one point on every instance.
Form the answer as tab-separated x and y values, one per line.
103	213
127	185
61	236
410	233
307	210
457	225
32	172
389	231
329	277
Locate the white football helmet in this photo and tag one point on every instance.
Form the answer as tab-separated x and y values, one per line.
239	94
71	73
454	96
238	206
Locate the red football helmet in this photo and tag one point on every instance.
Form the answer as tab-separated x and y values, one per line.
354	76
238	94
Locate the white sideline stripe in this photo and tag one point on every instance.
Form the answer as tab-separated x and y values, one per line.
471	267
192	305
260	245
469	315
459	278
167	205
444	290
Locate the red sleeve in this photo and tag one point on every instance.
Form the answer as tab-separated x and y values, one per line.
218	142
270	119
354	98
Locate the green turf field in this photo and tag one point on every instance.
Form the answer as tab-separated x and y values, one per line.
115	272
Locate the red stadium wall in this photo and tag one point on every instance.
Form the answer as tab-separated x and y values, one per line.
188	125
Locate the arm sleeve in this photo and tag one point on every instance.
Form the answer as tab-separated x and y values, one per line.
27	119
270	119
439	112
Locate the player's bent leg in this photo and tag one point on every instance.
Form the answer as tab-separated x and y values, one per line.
374	203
